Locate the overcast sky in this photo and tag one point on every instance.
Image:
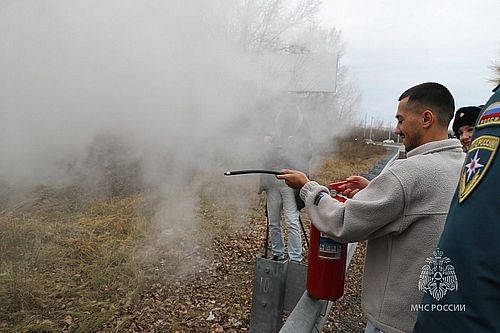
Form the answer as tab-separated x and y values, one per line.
392	45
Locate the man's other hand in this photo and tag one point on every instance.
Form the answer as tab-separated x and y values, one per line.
356	184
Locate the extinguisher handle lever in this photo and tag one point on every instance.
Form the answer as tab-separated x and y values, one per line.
336	186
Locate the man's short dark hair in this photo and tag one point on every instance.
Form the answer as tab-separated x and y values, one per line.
431	96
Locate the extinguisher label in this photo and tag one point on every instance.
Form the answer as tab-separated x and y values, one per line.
328	248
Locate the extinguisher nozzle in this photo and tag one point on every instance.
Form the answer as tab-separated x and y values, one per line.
252	171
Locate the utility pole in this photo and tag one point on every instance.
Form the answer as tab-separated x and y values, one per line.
371	126
364	129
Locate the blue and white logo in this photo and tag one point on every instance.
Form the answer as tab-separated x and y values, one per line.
437	276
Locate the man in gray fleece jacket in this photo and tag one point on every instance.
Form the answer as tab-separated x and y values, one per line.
401	212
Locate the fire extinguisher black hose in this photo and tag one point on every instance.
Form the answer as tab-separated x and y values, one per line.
304	231
252	171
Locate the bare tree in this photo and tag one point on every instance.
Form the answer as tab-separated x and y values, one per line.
290	28
261	24
495	68
346	102
496	73
319	40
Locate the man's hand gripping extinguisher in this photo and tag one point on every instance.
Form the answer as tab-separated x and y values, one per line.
327	260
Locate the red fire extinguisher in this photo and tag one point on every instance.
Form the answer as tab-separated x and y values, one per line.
327	259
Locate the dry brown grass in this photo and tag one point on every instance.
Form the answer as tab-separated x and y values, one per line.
75	264
59	268
350	159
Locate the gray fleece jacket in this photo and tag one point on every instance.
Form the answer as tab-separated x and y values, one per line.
402	214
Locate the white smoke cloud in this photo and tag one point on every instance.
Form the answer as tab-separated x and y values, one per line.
162	71
168	79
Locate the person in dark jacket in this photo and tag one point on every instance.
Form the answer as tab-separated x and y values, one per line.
461	280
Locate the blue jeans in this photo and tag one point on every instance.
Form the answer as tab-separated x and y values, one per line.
281	197
371	329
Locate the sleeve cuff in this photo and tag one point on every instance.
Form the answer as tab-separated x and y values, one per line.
311	188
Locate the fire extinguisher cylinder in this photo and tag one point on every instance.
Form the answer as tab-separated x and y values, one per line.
327	260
